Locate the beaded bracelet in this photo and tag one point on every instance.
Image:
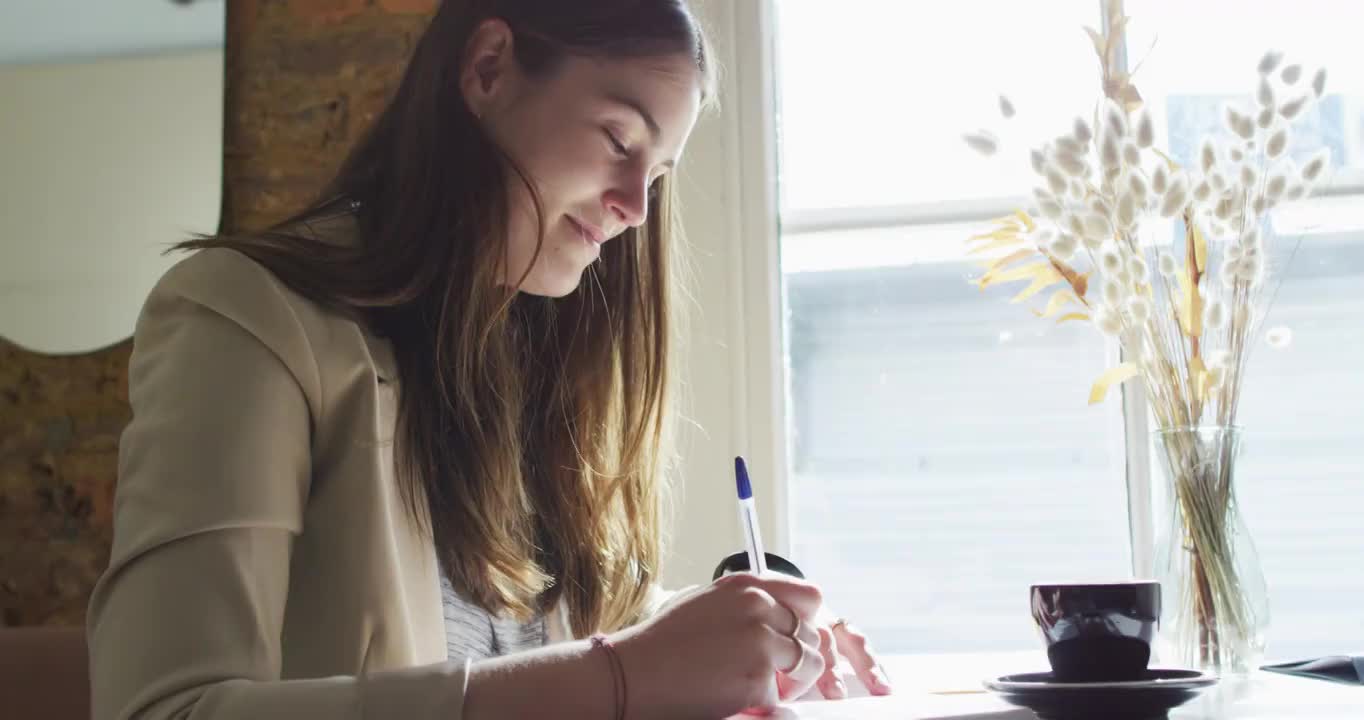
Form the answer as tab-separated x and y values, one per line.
617	672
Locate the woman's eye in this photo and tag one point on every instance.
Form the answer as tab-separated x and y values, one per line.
616	145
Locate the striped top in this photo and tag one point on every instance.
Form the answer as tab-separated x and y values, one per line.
474	633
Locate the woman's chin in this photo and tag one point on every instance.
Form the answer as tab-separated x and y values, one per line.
554	285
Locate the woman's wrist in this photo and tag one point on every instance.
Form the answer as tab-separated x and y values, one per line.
570	680
639	670
619	685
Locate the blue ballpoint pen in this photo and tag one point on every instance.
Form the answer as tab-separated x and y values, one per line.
748	519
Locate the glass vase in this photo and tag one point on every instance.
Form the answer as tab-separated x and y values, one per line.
1215	603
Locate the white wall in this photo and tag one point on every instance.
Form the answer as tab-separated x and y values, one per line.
102	164
38	31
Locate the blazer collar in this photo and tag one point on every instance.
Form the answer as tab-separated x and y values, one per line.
340	228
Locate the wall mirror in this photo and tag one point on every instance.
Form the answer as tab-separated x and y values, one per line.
110	151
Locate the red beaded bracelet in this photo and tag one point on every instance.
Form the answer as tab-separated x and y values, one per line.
617	672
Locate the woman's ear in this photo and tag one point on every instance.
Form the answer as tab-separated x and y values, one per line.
489	67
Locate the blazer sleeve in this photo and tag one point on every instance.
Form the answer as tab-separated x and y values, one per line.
214	474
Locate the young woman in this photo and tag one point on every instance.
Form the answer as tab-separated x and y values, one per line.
399	456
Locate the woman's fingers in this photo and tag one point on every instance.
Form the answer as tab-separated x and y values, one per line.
801	597
830	684
853	645
798	660
787	621
784	609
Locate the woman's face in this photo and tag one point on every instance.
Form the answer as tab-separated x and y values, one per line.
592	135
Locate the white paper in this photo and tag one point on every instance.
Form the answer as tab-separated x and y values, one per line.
907	706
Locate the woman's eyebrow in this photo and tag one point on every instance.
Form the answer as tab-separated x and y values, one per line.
649	122
638	107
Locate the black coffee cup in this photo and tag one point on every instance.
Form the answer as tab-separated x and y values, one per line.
1097	632
738	562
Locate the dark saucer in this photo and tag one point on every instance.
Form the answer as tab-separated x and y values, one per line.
1155	694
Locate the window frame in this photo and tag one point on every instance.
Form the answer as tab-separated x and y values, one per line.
733	201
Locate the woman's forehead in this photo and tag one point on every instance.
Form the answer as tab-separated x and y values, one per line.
655	79
665	91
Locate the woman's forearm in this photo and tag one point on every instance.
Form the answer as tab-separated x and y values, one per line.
567	680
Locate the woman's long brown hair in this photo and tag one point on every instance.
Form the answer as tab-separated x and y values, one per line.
532	433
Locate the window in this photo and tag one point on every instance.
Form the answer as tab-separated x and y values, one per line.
942	453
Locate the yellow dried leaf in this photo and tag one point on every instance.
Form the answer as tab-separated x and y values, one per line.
1081	284
1018	273
1114	376
1078	282
1190	310
1058	300
1200	247
1041	282
1100	46
1072	316
994	264
1198	376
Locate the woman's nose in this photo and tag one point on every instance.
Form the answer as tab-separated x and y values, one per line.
629	203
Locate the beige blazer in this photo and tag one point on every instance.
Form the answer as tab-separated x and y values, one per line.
263	564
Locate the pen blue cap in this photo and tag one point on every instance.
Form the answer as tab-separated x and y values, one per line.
741	479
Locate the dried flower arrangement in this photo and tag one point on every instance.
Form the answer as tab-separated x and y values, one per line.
1185	320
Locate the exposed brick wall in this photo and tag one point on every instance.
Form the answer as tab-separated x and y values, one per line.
60	418
303	79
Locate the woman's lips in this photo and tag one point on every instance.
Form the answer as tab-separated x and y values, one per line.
590	233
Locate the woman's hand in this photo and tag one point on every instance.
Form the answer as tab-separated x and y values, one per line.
843	645
721	649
